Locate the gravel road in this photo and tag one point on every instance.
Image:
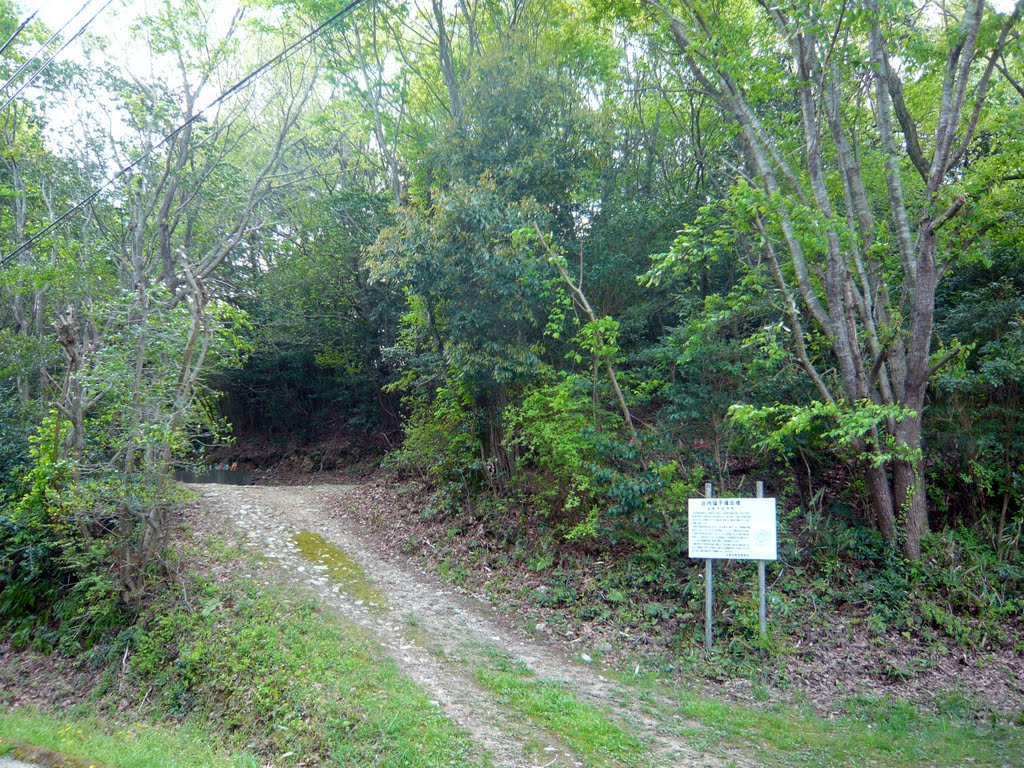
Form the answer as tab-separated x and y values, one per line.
318	535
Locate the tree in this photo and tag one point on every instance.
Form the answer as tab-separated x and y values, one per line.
500	136
140	336
855	123
475	312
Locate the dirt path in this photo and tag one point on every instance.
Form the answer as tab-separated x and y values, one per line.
318	535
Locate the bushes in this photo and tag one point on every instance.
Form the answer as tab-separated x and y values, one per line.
13	444
442	446
55	592
81	534
551	436
75	552
959	591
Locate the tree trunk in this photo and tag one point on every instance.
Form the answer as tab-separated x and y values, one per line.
446	62
881	497
909	490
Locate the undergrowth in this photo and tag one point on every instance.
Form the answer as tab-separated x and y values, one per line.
646	598
879	731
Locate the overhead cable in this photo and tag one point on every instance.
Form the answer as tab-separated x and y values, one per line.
19	30
49	61
28	62
244	82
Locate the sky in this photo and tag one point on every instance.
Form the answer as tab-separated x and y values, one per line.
115	18
110	20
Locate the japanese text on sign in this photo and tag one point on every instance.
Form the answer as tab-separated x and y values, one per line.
732	529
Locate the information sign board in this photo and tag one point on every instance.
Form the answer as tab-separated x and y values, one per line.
732	529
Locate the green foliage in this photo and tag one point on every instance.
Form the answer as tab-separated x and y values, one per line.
600	339
14	455
731	342
958	593
978	453
286	680
475	291
389	268
319	328
442	444
81	539
523	115
550	433
469	339
643	494
852	429
524	126
54	586
703	248
289	391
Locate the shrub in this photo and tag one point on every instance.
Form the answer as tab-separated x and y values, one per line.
551	434
441	443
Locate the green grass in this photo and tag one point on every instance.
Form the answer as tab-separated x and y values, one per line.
274	672
592	734
873	732
84	735
264	670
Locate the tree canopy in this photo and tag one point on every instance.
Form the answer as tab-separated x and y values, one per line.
578	256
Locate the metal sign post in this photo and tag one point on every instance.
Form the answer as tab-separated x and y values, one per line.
732	529
762	610
709	576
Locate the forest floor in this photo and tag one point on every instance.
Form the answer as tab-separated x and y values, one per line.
446	641
502	675
526	689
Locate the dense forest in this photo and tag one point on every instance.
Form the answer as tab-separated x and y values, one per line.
560	263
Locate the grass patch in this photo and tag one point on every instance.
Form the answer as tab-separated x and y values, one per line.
874	732
592	734
82	734
276	673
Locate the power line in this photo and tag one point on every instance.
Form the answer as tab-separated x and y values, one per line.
59	51
20	29
245	81
25	64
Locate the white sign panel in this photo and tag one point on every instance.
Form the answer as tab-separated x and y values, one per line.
732	529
